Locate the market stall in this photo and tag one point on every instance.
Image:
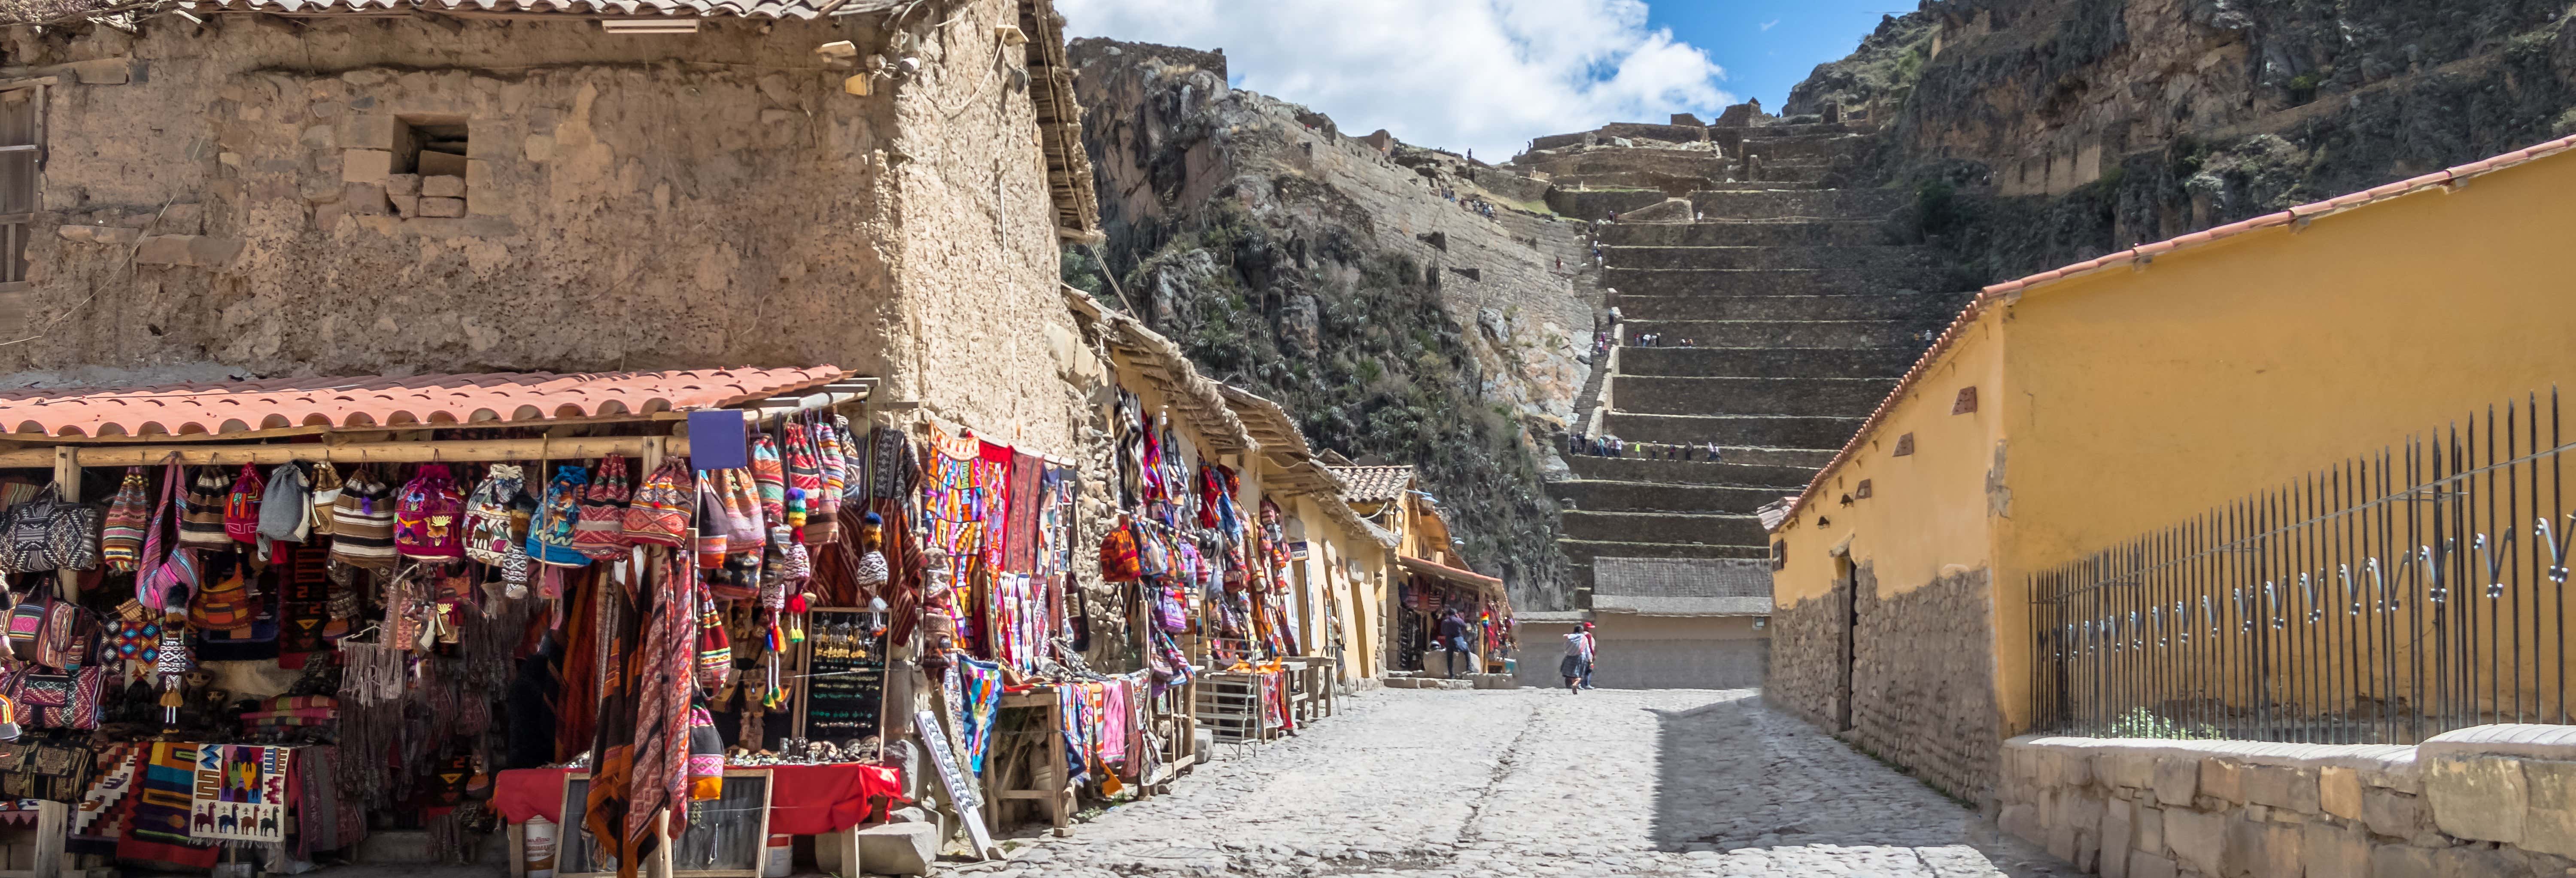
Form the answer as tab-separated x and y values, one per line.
1425	598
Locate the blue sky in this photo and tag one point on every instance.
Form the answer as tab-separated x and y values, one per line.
1767	46
1488	75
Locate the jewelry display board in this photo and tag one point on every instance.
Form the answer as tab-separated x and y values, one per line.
845	676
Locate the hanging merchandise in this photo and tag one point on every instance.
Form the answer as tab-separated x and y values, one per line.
769	475
713	524
600	530
49	533
167	575
241	505
286	511
663	504
823	508
326	498
745	525
121	540
491	528
362	521
202	524
550	533
428	516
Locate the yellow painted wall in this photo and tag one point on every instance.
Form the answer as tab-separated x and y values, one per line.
2130	399
1927	511
2139	398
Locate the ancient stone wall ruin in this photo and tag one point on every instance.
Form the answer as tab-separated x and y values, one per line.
248	197
1921	675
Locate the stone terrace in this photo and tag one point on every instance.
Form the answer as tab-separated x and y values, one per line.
1804	303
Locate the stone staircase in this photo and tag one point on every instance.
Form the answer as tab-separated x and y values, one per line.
1804	307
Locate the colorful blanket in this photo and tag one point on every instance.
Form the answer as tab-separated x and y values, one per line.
160	829
240	793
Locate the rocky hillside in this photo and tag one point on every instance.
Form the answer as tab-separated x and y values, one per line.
2040	132
1401	301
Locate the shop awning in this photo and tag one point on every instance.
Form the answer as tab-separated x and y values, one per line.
196	418
1488	585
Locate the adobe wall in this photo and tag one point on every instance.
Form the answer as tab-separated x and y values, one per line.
634	201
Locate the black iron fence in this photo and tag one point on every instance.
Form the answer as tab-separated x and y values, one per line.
2387	599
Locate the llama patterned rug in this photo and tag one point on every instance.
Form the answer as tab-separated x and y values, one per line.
240	793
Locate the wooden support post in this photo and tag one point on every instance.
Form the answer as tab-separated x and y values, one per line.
67	480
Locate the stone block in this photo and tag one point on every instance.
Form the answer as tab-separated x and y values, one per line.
2147	865
2400	861
2477	798
2073	769
103	71
2223	780
2279	787
2339	792
2262	850
365	165
898	849
405	206
482	194
371	131
441	163
2150	835
2335	850
198	251
364	199
2020	820
123	235
2549	826
442	207
442	186
2472	862
404	184
2393	813
2062	841
2119	828
2177	780
2132	770
2197	839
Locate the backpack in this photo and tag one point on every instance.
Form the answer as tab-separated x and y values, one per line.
224	604
769	475
201	524
745	529
241	506
713	524
285	512
600	531
121	545
490	529
429	516
326	496
659	515
550	533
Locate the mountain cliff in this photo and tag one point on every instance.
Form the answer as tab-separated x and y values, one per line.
2041	132
1400	301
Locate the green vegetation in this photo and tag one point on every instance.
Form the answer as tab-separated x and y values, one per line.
2141	723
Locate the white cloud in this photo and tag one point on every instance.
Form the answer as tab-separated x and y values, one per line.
1768	25
1456	74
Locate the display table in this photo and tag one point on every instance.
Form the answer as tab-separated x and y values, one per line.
803	799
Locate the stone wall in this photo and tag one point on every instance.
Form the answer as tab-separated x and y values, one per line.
1922	676
1807	657
1923	681
229	200
2489	801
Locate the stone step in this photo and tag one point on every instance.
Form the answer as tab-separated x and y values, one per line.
1571	166
1813	204
1774	281
1907	309
1781	333
1778	233
1868	256
1827	397
1784	468
1596	495
1581	552
1662	527
1767	362
1593	204
1800	432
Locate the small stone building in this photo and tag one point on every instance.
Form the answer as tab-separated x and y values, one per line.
238	188
1662	623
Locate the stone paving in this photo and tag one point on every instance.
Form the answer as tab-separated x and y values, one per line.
1421	783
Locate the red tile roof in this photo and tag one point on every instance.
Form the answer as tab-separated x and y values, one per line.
376	401
2148	252
1373	484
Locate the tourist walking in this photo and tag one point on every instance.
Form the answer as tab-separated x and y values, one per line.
1576	666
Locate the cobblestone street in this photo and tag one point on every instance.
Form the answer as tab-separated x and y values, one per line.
1540	782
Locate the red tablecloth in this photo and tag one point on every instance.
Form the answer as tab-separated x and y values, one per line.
803	799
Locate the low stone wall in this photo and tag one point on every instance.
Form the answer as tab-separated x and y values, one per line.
1806	658
2490	801
1923	681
